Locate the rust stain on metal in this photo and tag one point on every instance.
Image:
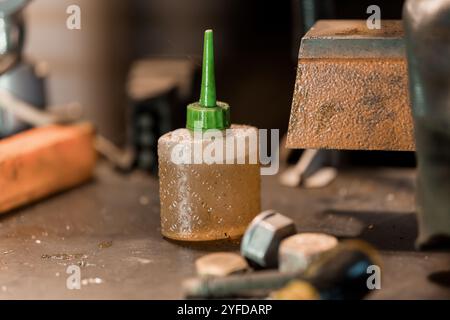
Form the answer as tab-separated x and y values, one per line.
360	104
351	90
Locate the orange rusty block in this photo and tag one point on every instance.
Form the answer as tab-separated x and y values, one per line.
351	90
43	161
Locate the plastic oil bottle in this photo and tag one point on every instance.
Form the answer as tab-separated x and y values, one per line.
204	200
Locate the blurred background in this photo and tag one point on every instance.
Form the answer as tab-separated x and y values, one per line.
256	45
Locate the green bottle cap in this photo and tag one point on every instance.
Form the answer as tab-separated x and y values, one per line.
208	113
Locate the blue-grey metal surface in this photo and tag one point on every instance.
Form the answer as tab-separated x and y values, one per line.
23	83
353	39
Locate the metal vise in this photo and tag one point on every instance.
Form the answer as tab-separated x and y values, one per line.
353	92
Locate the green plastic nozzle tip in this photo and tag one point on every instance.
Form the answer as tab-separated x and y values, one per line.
208	113
208	91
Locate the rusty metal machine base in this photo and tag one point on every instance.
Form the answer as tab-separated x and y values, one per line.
351	90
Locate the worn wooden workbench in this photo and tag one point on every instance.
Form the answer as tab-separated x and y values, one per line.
111	228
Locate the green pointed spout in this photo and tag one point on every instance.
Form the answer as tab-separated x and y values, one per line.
208	89
208	113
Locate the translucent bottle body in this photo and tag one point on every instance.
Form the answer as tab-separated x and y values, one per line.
207	201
